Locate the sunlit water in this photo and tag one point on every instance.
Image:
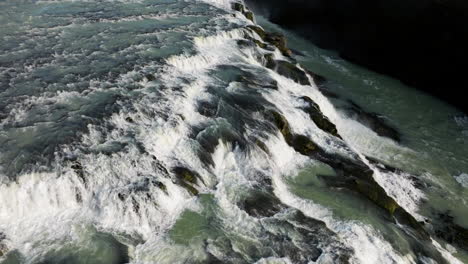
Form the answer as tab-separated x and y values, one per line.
105	104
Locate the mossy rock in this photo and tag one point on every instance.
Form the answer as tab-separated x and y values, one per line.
279	41
162	186
260	44
319	119
249	15
187	178
304	145
275	39
262	146
283	125
262	204
287	69
377	194
270	62
238	7
300	143
260	32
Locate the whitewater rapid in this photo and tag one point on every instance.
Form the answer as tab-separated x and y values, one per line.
150	152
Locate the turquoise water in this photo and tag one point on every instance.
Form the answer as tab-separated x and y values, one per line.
153	132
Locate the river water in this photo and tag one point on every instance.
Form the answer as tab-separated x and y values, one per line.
153	131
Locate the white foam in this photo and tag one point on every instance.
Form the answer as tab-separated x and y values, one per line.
368	245
462	179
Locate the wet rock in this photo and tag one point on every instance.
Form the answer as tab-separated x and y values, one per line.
207	109
376	194
418	183
262	146
260	32
300	143
318	79
300	238
447	229
287	69
319	119
282	124
270	62
260	44
267	84
161	186
279	41
275	39
249	15
187	179
262	204
374	122
78	168
78	196
238	7
150	77
3	248
304	145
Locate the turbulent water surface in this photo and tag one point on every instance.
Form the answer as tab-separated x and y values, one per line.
177	131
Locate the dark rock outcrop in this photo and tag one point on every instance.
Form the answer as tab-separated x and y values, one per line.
273	38
187	179
447	229
319	119
373	121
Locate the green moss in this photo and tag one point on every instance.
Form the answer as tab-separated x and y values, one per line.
162	187
260	44
279	41
187	179
283	126
262	146
260	32
377	194
249	15
238	7
300	143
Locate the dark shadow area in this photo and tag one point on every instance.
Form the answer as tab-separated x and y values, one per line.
423	43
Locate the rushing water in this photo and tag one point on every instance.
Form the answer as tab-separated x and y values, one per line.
152	132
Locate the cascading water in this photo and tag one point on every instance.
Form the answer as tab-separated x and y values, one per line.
181	132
